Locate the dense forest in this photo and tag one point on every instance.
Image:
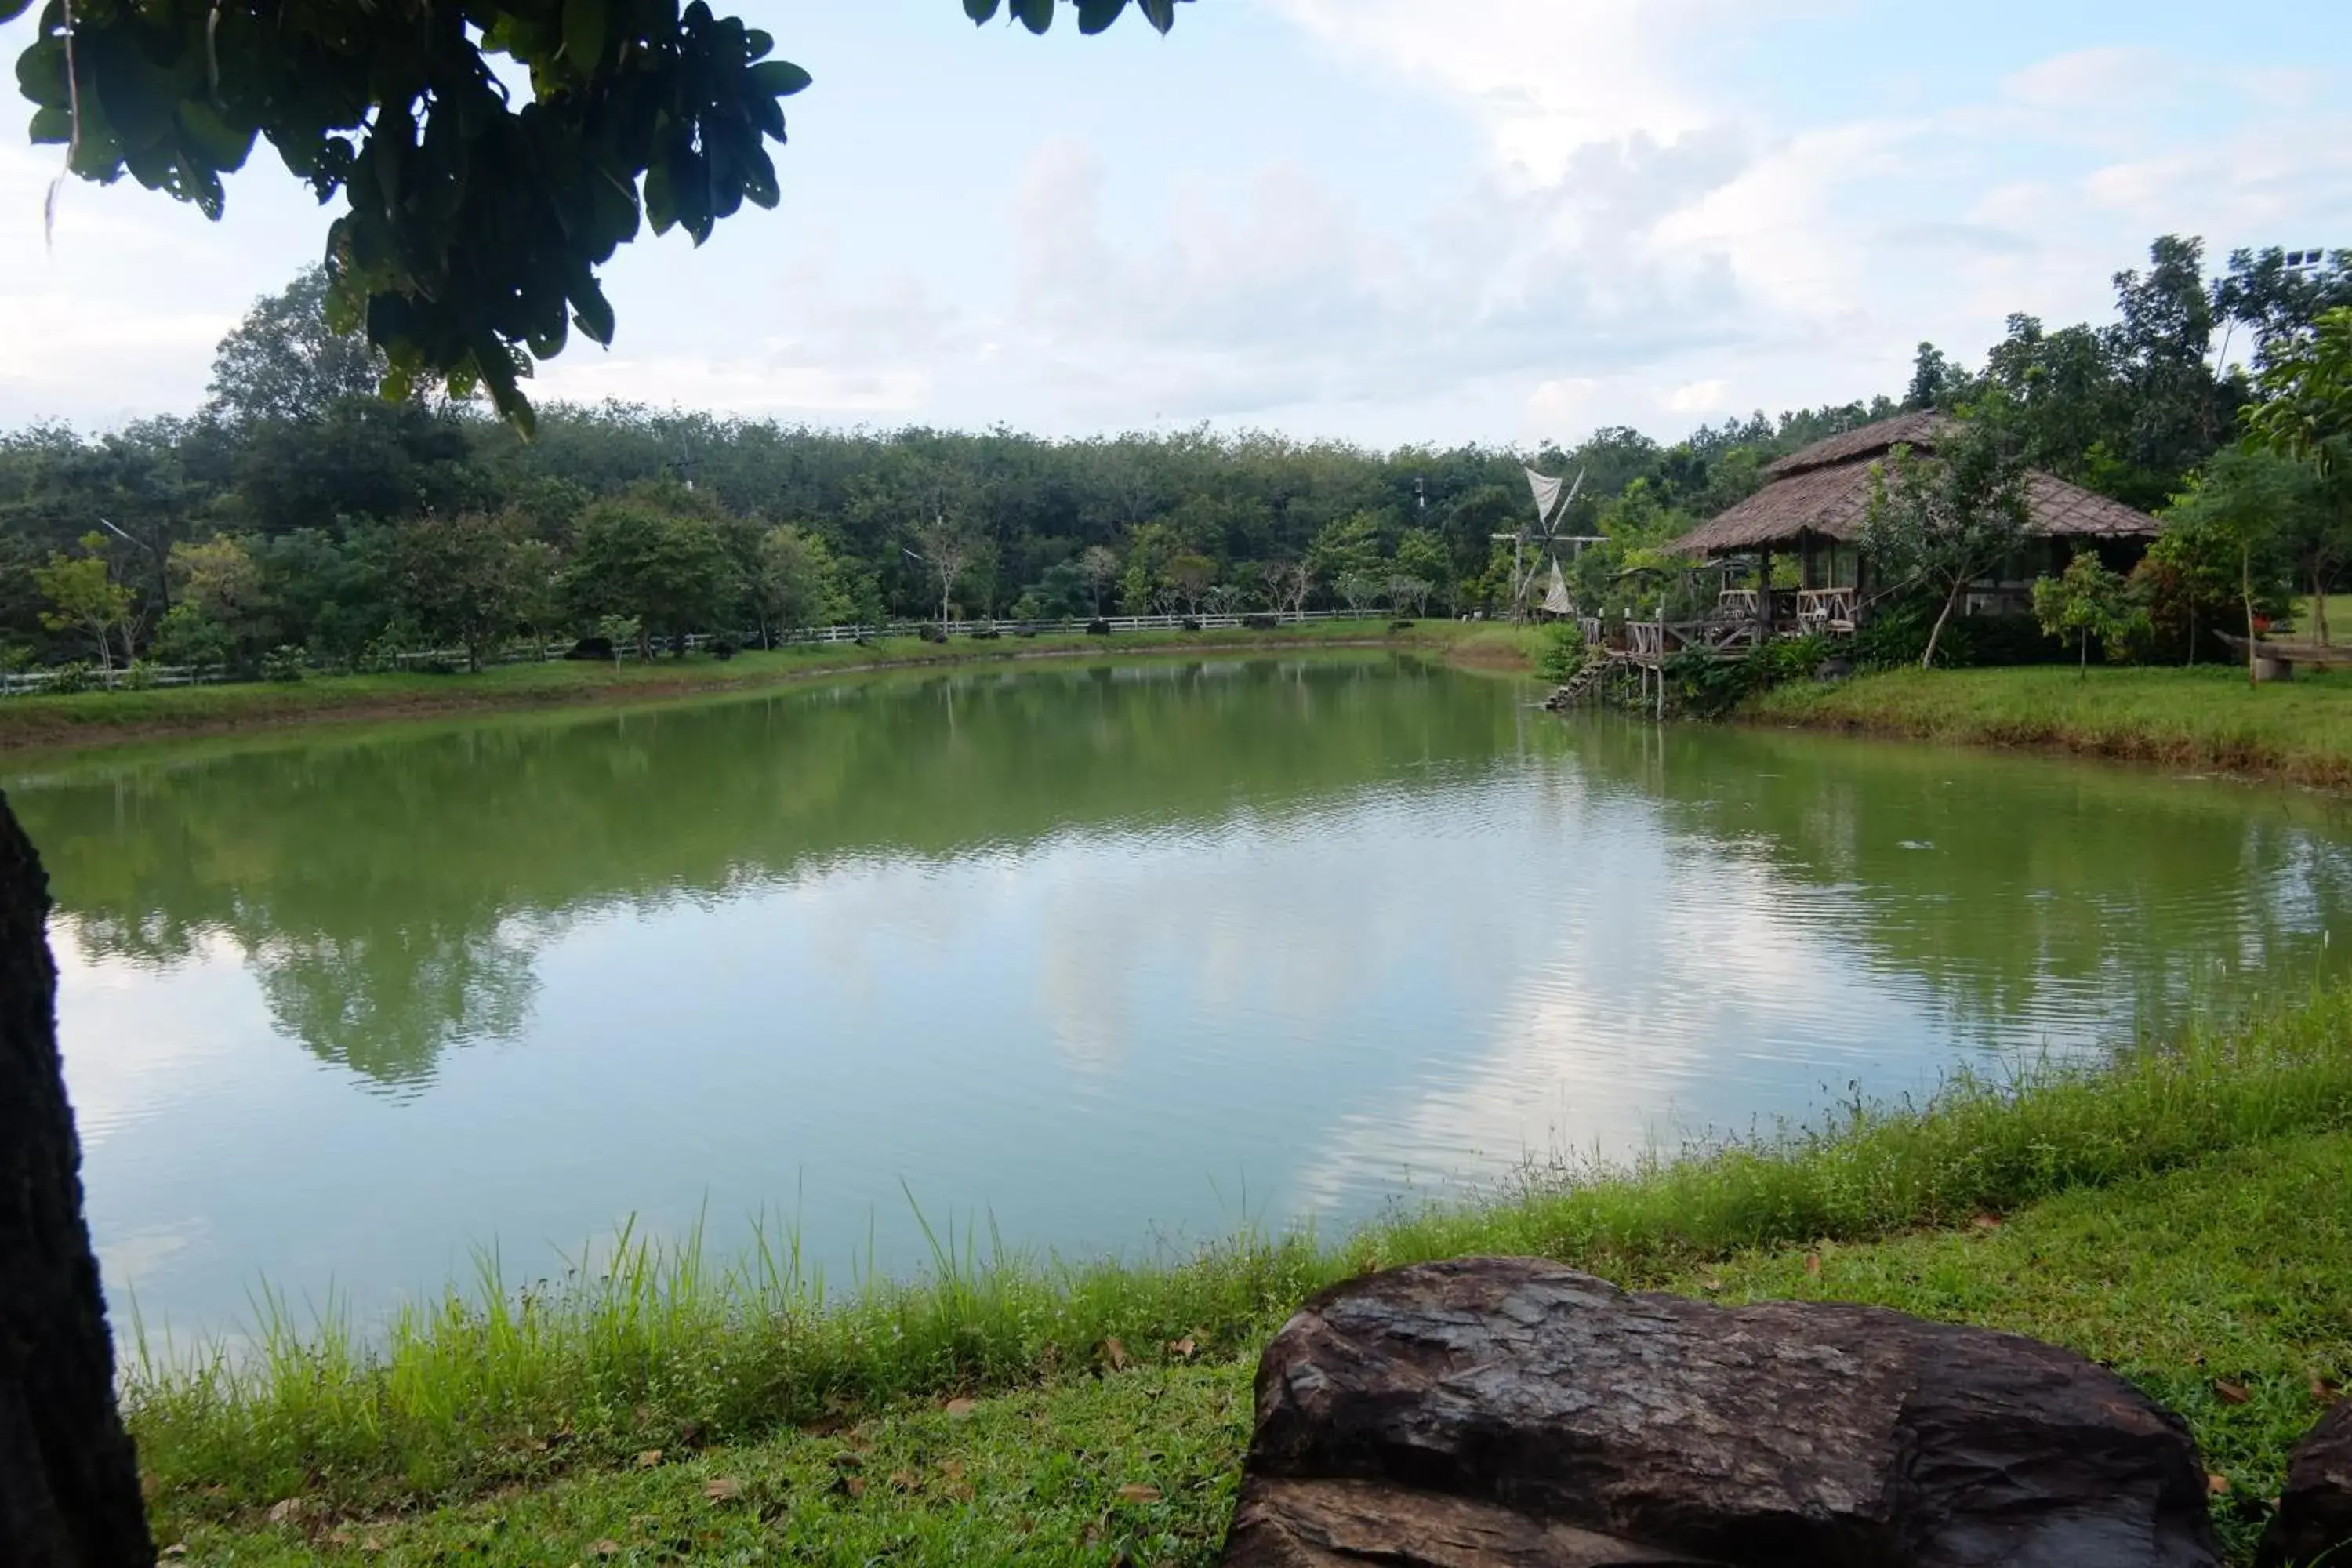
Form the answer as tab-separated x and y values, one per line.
299	518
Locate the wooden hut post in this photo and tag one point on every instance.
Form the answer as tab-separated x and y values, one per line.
1764	597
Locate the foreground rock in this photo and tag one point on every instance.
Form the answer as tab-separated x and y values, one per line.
2314	1523
1495	1412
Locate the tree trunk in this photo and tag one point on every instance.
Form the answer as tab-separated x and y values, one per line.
69	1480
1928	659
2246	592
2086	653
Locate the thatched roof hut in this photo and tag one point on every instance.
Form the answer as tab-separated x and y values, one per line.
1824	491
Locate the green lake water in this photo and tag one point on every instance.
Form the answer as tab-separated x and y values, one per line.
1108	957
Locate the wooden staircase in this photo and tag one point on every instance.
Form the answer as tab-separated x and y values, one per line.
1584	683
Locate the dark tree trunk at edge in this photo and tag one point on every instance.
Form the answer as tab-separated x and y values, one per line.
69	1482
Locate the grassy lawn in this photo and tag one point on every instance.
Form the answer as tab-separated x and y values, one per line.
2204	717
2183	1211
2223	1289
2339	616
104	717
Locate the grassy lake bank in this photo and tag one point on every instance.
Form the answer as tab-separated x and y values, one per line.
2205	719
106	718
2184	1212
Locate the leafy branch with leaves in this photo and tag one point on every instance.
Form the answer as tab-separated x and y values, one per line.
1946	518
476	215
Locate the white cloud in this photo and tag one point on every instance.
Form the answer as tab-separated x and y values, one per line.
1603	213
117	311
1697	396
1543	78
748	385
2101	79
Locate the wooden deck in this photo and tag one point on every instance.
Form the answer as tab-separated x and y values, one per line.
1740	622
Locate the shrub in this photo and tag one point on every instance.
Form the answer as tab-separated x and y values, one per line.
1895	634
1563	651
285	662
1707	687
71	676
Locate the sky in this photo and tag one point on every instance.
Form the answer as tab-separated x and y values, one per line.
1390	221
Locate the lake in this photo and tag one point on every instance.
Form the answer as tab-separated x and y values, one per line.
1096	958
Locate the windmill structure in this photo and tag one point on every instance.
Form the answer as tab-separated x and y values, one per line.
1536	547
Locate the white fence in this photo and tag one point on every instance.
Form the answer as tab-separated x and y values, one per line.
28	682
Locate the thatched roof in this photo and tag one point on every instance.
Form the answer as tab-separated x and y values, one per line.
1919	430
1825	489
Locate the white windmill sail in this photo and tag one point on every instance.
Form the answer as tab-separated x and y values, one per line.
1547	493
1556	597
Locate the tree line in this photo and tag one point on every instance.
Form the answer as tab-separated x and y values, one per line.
300	516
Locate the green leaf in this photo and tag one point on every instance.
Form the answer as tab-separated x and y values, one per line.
1161	13
52	125
12	9
1095	16
1035	14
583	33
777	79
592	312
212	140
41	73
759	187
661	200
980	11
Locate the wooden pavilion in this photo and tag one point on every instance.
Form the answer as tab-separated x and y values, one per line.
1813	508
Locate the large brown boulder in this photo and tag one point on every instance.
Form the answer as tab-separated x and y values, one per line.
1494	1412
2314	1523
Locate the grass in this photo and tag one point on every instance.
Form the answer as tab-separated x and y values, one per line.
97	717
2206	718
2339	615
2225	1288
536	1407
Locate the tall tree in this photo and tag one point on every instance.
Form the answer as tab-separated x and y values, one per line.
1946	519
639	556
285	362
2177	410
84	596
2279	296
945	547
462	577
2231	506
793	582
2306	415
476	219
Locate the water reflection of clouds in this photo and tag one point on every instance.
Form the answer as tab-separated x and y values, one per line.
1664	996
1306	982
145	1040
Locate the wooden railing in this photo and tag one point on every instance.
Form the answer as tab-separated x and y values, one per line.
1828	609
1650	642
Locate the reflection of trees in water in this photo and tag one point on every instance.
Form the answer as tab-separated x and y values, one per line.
2006	882
390	891
376	885
387	1007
